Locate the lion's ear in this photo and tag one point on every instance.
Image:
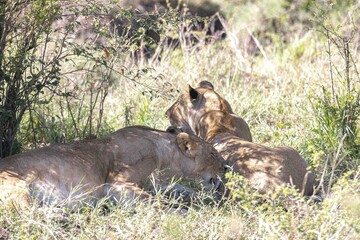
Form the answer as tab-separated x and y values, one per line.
174	130
194	95
186	144
206	84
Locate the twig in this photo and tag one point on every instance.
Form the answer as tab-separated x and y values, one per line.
330	64
335	162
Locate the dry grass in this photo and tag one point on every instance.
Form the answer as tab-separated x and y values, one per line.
273	89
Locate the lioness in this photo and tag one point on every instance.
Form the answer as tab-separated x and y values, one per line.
265	168
113	165
194	103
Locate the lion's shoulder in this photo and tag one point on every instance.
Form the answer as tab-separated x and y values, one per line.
217	122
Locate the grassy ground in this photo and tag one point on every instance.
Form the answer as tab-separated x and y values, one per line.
296	89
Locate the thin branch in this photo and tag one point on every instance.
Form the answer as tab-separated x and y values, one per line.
330	65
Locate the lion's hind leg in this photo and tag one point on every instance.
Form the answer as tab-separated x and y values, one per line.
14	191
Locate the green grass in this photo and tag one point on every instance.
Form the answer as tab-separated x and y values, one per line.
278	90
336	218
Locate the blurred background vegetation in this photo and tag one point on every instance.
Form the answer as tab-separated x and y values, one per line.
80	69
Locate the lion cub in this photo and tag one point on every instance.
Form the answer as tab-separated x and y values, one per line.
116	165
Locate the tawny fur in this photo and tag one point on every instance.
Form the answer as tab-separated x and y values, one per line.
194	103
117	165
213	120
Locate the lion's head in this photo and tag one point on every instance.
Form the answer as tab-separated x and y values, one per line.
204	105
202	160
193	103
